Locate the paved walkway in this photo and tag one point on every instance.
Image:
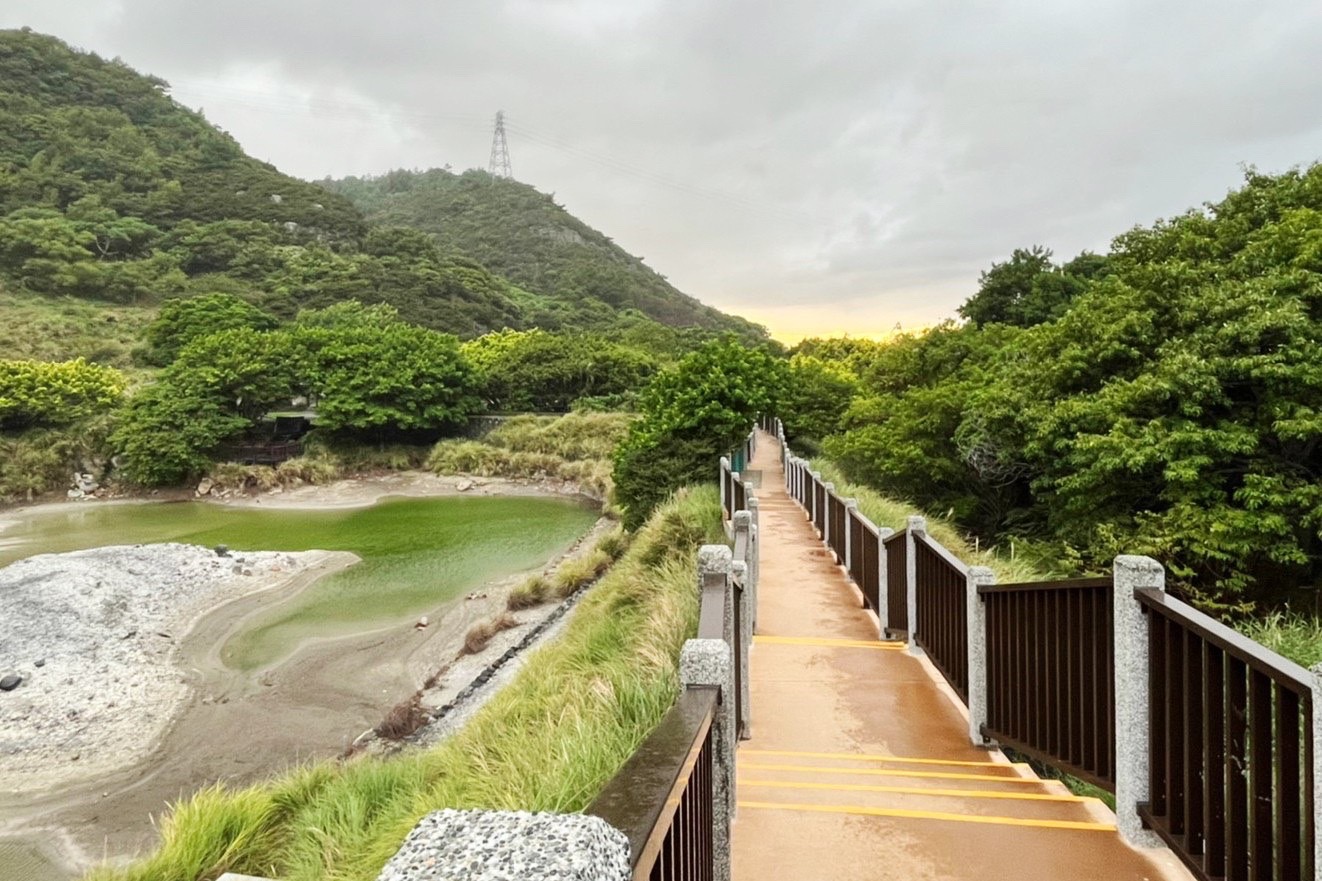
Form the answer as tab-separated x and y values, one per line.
860	767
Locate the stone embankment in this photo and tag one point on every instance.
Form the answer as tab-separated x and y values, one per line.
88	647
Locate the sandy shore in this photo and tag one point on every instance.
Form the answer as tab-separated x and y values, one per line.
181	728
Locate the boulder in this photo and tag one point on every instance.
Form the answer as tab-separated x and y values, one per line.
464	486
10	682
204	487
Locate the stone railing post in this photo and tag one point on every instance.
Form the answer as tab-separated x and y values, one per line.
719	559
484	845
883	582
755	552
850	505
916	526
708	662
977	642
1317	769
1132	722
741	572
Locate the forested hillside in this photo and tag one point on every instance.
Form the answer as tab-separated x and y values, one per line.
577	276
111	191
1164	398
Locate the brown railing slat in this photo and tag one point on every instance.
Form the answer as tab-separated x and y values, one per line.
1237	800
1288	796
1214	803
1260	775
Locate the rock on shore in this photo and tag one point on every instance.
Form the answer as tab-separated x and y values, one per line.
92	635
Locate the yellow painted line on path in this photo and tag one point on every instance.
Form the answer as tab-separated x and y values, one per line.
869	757
916	790
831	643
880	772
930	815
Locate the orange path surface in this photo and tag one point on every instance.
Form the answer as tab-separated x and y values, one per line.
859	766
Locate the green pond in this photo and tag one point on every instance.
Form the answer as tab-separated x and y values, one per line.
417	553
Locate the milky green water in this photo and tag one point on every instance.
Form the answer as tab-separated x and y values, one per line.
417	553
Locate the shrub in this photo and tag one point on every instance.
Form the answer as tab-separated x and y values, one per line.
481	633
41	393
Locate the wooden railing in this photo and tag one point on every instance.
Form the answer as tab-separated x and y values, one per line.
864	558
942	631
1229	728
1231	786
1050	673
897	585
662	798
675	790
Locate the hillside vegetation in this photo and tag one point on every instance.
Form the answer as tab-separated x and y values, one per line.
112	192
1164	398
574	275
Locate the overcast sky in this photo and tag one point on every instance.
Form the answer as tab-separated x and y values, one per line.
830	167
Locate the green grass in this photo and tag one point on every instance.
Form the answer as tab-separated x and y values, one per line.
883	511
1294	635
46	328
549	741
576	447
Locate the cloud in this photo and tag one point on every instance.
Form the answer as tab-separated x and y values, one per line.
846	165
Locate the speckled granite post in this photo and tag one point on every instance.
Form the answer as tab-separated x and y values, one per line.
739	575
850	505
719	558
883	582
1317	770
754	550
720	478
1131	695
708	662
916	526
977	639
450	845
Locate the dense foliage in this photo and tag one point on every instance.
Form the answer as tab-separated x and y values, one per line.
1168	403
536	370
690	416
37	394
368	380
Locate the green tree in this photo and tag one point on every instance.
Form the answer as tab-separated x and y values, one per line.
393	378
692	414
182	321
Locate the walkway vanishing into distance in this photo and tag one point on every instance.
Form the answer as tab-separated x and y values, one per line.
859	766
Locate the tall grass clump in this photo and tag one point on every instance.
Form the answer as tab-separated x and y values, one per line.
572	436
547	742
576	447
1294	635
885	511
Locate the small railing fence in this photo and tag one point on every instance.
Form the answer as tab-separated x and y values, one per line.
1050	673
1232	783
674	798
1208	740
941	586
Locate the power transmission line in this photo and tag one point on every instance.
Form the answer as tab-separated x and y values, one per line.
499	166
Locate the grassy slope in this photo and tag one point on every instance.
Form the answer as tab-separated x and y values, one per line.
61	328
549	741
